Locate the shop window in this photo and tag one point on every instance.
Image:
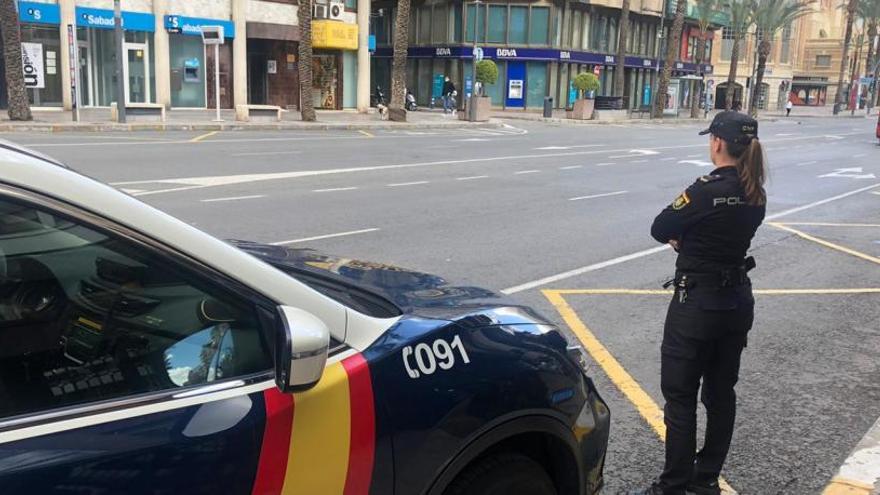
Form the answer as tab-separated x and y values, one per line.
823	60
424	35
456	23
495	92
785	50
600	30
576	20
585	34
536	84
472	21
539	26
611	41
44	47
519	21
351	4
413	26
643	41
440	25
497	24
378	26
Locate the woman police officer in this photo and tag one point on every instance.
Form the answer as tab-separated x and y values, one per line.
711	225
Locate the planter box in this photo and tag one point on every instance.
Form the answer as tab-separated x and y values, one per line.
484	109
583	109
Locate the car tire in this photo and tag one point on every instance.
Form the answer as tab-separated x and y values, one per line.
503	474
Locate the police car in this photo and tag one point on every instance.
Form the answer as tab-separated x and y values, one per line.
139	355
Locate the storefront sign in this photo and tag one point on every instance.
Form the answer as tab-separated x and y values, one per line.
271	66
32	65
39	13
193	25
103	19
334	34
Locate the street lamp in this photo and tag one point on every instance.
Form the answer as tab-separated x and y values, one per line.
472	99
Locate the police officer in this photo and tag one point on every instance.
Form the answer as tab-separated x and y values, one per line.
711	225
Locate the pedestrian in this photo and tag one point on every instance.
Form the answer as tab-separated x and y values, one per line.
448	97
788	106
711	226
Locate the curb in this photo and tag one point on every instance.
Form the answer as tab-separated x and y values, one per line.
211	126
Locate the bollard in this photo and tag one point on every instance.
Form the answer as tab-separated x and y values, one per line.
548	106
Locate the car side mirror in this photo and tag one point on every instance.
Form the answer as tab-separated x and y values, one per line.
300	350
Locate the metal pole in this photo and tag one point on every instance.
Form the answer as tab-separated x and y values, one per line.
472	104
120	71
659	52
217	82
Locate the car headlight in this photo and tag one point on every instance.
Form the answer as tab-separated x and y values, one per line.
580	357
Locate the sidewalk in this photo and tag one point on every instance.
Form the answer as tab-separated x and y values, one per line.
819	112
98	120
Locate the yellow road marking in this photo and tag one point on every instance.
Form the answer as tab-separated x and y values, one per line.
365	133
203	136
664	292
827	224
643	402
825	243
841	486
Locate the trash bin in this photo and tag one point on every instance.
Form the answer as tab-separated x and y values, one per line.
548	106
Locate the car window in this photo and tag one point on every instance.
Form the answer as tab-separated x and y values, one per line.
88	316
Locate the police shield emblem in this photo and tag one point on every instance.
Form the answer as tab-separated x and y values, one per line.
681	201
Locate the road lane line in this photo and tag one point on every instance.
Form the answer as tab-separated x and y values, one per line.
571	167
828	224
262	153
415	183
593	196
233	198
823	242
473	177
605	164
334	189
647	252
365	133
803	164
326	236
643	402
521	172
203	136
876	192
861	470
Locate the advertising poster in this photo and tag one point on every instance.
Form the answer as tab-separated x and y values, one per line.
32	65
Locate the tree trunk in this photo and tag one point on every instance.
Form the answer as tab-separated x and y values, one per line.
731	76
397	109
847	39
19	108
875	60
306	103
623	34
696	93
672	48
763	52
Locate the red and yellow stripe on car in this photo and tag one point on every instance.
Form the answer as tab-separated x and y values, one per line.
314	443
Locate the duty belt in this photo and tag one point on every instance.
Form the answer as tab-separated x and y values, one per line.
731	277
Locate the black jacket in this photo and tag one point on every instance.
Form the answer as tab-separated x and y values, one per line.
712	222
448	88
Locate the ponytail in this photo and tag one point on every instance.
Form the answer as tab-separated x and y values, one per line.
750	161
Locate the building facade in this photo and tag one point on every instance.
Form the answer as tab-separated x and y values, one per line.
539	47
165	60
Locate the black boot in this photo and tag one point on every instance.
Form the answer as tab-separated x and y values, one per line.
654	489
704	488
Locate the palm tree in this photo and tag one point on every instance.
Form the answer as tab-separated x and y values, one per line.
770	17
706	9
622	36
307	105
672	46
19	107
397	109
869	11
741	20
844	60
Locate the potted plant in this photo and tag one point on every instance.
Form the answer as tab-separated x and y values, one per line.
586	83
487	73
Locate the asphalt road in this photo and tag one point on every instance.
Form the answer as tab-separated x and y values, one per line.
534	207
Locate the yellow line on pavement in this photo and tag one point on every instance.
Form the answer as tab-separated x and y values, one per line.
841	486
203	136
827	224
365	133
765	292
827	244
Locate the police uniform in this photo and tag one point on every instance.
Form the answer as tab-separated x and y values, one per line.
709	316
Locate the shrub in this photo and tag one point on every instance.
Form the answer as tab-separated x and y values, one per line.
586	82
487	72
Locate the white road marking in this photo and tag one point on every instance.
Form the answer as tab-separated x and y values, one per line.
131	191
667	159
471	140
604	164
571	167
473	177
876	192
811	162
265	153
633	153
568	147
699	163
647	252
849	173
694	156
639	161
326	236
233	198
784	134
521	172
593	196
862	467
334	189
402	184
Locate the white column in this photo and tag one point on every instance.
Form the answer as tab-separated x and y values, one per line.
68	16
162	54
239	58
363	56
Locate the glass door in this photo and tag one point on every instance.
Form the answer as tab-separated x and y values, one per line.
85	74
137	73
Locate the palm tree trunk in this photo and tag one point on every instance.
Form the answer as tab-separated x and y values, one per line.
307	105
622	36
19	108
847	39
672	47
874	61
869	60
763	53
731	76
397	110
698	58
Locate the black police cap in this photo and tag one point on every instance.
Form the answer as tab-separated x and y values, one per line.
733	127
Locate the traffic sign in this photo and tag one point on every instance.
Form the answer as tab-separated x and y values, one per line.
478	54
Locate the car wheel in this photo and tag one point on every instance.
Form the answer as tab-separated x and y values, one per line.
503	474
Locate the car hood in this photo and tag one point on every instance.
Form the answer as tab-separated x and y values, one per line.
413	292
